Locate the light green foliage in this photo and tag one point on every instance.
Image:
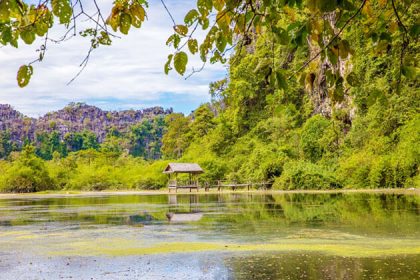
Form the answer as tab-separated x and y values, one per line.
311	136
347	118
99	170
203	121
26	174
177	138
306	176
115	143
267	130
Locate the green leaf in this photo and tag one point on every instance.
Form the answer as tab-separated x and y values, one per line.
4	11
125	23
281	35
204	6
114	18
326	5
331	57
218	4
281	80
338	93
352	79
180	62
62	9
173	39
409	72
193	45
415	30
181	29
223	21
344	49
41	28
191	16
168	67
205	23
24	75
28	36
6	35
138	14
221	42
330	77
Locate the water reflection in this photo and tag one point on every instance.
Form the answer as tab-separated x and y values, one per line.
238	213
283	234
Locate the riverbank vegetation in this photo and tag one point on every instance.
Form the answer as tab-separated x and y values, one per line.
350	119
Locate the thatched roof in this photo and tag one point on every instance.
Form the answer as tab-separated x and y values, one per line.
183	168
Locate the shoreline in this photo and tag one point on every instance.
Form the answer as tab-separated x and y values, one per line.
201	192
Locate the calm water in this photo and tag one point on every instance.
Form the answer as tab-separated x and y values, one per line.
212	236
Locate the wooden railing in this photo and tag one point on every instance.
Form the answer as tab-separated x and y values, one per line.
219	184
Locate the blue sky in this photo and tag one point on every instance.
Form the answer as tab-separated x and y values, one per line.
127	75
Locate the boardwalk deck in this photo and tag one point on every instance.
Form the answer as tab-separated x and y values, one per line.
234	185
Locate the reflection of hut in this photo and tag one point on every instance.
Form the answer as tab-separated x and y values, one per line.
184	217
172	199
192	169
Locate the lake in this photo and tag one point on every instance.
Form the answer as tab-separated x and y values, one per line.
211	236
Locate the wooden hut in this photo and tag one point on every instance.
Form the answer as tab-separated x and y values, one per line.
192	169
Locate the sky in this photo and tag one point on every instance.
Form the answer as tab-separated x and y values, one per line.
127	75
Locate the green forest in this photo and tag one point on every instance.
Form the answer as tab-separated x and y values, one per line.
348	119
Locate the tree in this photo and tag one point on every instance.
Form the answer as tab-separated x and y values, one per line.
203	121
296	24
312	133
146	138
81	141
48	143
27	174
115	143
177	138
6	145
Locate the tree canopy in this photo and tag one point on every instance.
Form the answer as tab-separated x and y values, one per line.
313	25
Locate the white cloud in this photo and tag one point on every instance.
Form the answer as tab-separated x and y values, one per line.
128	74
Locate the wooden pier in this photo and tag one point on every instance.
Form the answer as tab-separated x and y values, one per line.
235	185
193	170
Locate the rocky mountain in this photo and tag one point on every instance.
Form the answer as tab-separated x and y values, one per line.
76	117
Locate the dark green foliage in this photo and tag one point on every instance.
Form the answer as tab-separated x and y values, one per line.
81	141
48	143
6	145
146	138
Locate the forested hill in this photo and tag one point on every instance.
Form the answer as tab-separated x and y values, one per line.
80	126
306	105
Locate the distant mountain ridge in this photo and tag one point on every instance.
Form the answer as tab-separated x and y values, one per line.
75	117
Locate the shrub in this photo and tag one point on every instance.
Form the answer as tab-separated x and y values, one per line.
312	133
27	174
302	175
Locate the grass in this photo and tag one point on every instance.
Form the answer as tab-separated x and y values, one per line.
165	191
